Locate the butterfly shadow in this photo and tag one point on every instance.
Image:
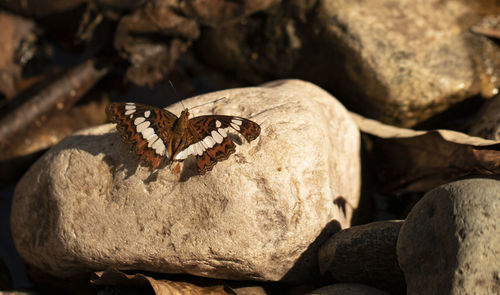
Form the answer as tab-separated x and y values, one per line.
116	155
188	169
119	158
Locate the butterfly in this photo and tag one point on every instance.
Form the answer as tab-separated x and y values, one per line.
158	135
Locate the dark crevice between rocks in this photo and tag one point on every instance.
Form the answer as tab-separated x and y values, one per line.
309	259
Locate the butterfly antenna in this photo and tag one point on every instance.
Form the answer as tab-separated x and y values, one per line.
212	101
176	94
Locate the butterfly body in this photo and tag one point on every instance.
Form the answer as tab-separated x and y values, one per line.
157	135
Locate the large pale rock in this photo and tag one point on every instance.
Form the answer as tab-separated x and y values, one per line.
450	241
87	204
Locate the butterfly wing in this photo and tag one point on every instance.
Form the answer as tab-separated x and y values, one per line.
144	127
209	140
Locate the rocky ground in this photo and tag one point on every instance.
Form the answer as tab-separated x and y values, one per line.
375	169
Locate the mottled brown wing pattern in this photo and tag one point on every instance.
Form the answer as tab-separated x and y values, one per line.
210	142
204	125
218	152
144	127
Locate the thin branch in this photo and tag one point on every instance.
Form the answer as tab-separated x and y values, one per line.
61	94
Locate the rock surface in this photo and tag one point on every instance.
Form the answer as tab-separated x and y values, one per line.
88	204
411	59
365	254
487	124
347	289
450	241
400	62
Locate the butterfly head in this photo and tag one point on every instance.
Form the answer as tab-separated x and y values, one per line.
185	113
181	124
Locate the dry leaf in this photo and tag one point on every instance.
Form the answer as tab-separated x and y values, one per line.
417	161
489	26
159	286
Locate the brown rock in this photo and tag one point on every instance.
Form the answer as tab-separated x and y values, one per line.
88	204
410	59
399	62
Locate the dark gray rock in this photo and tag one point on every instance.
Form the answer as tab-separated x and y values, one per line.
364	254
450	241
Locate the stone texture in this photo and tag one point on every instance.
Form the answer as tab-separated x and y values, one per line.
400	62
256	290
364	254
450	241
87	204
487	124
347	289
411	59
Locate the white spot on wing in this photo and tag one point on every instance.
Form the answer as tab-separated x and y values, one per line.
182	155
209	141
203	144
139	120
217	123
159	147
147	113
237	122
152	140
235	126
128	112
130	106
161	150
147	132
199	148
222	132
192	150
143	126
217	137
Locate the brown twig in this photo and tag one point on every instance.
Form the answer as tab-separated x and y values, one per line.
62	93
